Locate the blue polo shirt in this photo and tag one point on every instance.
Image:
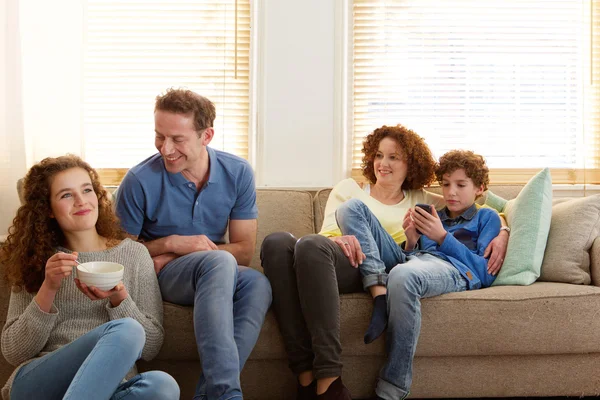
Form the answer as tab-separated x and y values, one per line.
153	203
468	236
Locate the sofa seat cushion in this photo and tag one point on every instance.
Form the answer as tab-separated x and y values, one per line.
543	318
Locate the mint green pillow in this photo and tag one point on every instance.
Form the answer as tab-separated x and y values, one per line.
494	201
528	216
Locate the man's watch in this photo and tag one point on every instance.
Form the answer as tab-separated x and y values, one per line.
505	228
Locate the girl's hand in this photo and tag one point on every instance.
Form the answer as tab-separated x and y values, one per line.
116	295
58	267
351	248
430	225
412	237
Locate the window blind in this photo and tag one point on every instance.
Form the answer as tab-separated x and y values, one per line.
514	80
135	50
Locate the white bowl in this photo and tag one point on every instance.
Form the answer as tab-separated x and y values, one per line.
102	274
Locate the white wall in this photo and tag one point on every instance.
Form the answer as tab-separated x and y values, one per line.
296	103
12	163
52	36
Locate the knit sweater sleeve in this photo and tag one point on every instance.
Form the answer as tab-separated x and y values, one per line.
144	303
27	328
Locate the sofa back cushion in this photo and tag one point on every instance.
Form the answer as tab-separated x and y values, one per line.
282	211
319	204
574	227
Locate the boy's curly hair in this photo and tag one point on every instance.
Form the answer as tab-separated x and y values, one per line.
34	236
418	157
473	165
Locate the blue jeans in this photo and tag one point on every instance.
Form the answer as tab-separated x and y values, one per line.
230	303
383	253
421	276
93	367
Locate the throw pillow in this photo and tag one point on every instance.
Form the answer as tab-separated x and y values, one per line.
575	225
494	201
528	216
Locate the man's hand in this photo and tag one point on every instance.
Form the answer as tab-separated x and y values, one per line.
496	250
182	245
163	259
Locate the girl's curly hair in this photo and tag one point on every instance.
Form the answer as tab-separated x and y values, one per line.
418	157
34	236
473	165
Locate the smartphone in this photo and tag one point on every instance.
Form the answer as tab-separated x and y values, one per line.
425	207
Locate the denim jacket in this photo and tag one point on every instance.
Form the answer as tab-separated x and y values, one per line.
468	236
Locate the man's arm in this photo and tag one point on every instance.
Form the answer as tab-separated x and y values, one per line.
179	245
242	240
163	250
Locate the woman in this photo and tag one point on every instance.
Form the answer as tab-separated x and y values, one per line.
68	340
307	275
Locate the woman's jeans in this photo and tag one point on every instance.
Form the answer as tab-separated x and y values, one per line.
230	303
93	367
382	252
421	276
307	276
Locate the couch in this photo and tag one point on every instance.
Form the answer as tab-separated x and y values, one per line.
505	341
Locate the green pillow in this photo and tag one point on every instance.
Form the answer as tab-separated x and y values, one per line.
494	201
528	216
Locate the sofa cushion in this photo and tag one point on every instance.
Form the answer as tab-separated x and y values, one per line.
528	216
319	205
575	226
282	210
502	320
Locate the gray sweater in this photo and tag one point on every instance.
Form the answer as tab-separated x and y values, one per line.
30	332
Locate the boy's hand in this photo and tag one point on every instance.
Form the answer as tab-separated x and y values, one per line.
412	237
430	225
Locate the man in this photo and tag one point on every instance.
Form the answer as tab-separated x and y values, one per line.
178	203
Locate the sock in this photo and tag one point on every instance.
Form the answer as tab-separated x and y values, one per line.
379	319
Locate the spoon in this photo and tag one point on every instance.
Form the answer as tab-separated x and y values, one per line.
82	267
80	264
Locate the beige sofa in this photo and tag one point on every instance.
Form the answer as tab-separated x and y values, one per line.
538	340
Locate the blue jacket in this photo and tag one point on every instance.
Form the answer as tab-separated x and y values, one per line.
468	236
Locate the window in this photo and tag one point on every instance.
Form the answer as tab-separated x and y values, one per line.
136	49
514	80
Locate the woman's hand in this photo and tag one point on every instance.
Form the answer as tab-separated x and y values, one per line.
410	230
58	267
115	295
496	250
430	225
351	248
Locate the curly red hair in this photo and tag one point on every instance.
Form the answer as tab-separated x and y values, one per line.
34	236
418	157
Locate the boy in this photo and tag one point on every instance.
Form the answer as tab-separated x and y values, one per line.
449	258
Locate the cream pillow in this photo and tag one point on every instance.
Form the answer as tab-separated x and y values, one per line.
575	225
528	216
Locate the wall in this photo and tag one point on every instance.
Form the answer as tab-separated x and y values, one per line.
12	163
296	102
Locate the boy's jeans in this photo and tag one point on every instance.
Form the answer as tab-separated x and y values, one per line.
421	276
355	218
93	366
230	303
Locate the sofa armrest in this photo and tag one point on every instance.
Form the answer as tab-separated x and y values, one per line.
595	262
